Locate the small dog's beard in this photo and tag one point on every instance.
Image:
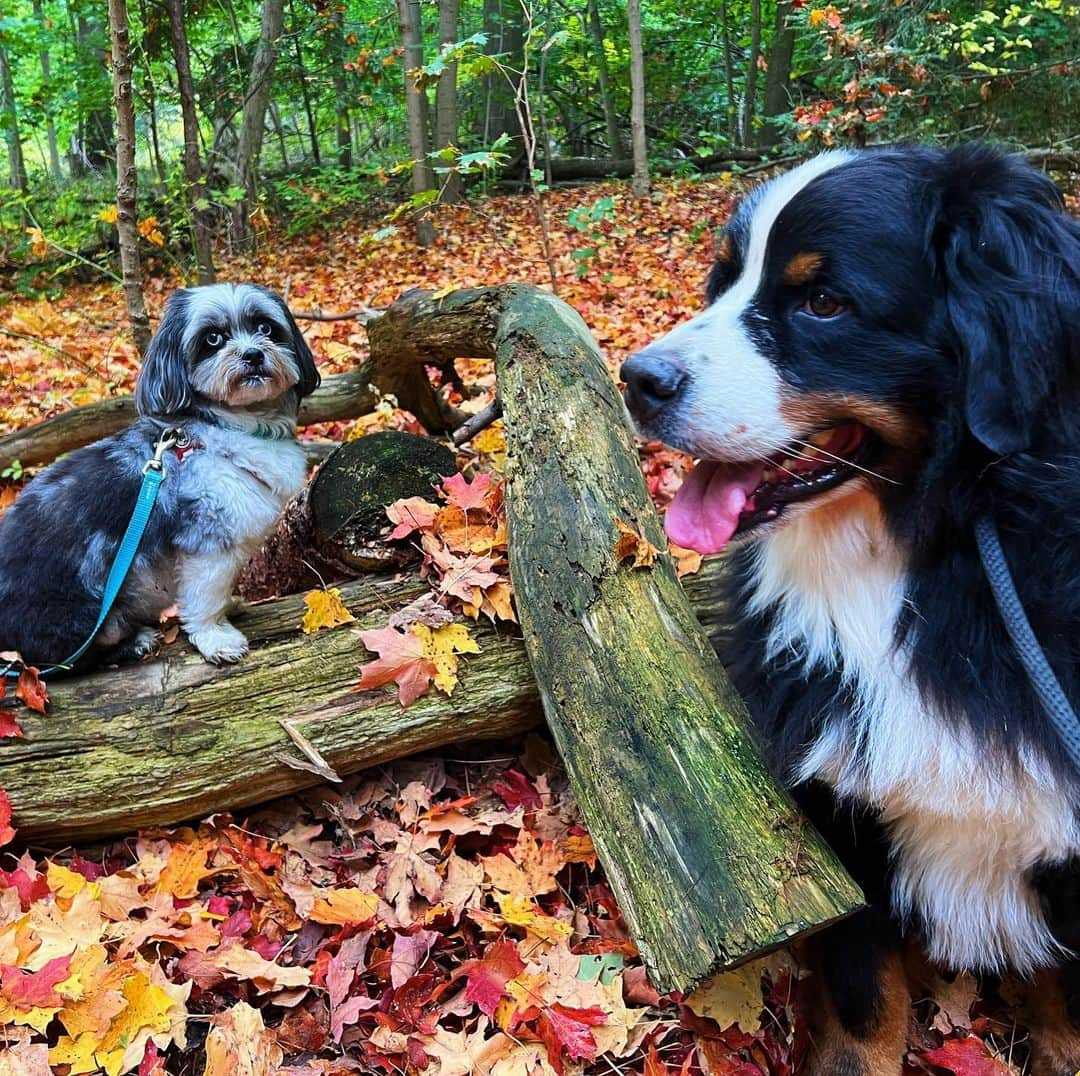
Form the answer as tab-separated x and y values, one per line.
226	379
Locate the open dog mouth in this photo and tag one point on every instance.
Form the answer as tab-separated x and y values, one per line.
720	500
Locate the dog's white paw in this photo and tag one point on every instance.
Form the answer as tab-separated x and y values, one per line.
221	644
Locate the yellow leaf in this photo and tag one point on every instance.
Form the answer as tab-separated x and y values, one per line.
185	868
108	214
79	1053
731	998
441	647
37	1018
341	906
66	883
39	245
325	609
265	974
521	912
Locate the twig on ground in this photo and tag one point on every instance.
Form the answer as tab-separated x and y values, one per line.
480	421
365	315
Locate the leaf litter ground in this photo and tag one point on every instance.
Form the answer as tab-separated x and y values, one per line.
440	915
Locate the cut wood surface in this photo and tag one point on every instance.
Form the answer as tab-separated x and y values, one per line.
710	860
175	738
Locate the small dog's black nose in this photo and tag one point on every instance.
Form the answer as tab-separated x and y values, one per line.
651	382
253	357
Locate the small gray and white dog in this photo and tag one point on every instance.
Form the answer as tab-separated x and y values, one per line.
228	366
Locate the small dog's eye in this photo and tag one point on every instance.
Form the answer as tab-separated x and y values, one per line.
263	328
823	305
214	338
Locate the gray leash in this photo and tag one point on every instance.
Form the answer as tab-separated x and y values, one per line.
1045	683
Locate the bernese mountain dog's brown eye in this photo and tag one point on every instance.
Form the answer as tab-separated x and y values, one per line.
823	305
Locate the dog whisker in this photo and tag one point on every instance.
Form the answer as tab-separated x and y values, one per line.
849	463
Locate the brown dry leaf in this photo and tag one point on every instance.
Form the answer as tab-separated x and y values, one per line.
240	1044
632	544
243	963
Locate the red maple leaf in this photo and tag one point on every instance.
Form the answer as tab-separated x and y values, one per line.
35	990
517	791
401	660
487	978
466	494
562	1028
965	1057
6	832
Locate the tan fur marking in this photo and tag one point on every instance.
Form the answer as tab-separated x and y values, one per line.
723	249
815	411
1055	1042
835	1050
802	268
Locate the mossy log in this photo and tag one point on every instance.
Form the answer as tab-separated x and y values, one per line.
710	860
334	528
175	738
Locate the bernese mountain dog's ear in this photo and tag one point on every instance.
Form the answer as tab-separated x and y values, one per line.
1008	258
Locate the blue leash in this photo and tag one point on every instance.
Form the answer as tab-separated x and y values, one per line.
1043	681
153	476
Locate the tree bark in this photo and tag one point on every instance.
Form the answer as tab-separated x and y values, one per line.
750	101
126	179
423	179
729	74
305	93
607	98
640	183
194	187
446	101
45	58
336	43
253	122
9	119
777	99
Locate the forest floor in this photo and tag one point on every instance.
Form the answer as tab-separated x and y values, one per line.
441	915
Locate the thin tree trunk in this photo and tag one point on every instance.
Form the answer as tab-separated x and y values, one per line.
446	102
9	119
46	81
253	124
301	74
341	89
607	98
423	179
731	115
194	188
640	183
750	102
777	98
279	130
126	180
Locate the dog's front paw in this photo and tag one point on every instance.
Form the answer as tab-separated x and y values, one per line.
221	644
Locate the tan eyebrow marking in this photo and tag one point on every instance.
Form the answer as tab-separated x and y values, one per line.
801	268
723	248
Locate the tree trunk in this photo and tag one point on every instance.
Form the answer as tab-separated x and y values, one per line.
750	102
504	28
9	119
305	93
607	98
777	98
253	122
126	180
194	188
423	179
729	75
45	59
446	102
336	43
640	183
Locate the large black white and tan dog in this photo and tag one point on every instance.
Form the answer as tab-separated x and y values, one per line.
891	349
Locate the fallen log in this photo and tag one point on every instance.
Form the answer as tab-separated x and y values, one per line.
710	860
175	738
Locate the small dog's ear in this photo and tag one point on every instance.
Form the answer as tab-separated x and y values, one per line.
1007	255
164	387
309	374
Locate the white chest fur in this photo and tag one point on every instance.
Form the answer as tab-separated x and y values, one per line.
964	831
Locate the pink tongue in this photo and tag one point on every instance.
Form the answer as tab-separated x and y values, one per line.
705	512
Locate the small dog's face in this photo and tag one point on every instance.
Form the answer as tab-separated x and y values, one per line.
229	345
856	304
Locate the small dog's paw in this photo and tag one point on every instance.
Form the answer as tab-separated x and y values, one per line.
146	641
221	644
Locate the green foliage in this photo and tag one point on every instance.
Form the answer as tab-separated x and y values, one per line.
593	223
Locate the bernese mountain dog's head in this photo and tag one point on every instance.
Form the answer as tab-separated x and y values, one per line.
898	319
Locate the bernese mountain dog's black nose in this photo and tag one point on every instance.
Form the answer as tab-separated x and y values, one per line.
651	382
